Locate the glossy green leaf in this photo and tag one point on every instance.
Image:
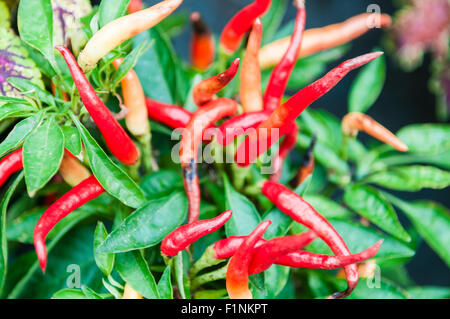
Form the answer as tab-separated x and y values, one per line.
115	181
367	86
35	23
165	285
104	261
19	133
428	139
29	88
275	278
161	183
272	19
110	10
15	110
68	293
245	216
369	289
148	225
411	178
72	140
369	203
428	292
431	220
133	268
4	243
43	150
326	207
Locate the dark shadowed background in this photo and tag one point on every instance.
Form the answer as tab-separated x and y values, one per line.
405	98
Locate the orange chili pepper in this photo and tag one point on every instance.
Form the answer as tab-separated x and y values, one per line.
202	43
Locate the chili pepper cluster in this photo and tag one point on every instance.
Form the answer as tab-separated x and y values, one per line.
267	115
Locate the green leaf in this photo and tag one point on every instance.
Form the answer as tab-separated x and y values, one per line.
275	278
271	20
4	16
20	132
28	87
245	216
15	110
411	178
369	203
165	285
129	62
104	261
4	243
42	154
428	292
115	181
327	207
133	268
428	139
148	225
68	293
431	220
175	24
110	10
367	86
35	23
161	183
385	290
72	140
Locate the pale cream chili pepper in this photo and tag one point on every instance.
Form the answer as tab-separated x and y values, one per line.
122	29
320	39
134	99
354	122
72	171
130	293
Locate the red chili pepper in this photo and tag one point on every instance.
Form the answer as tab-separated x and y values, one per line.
203	48
227	247
299	210
185	235
115	136
259	141
251	94
191	138
307	167
241	23
205	91
305	259
10	164
239	124
135	6
87	190
237	272
281	73
289	142
171	115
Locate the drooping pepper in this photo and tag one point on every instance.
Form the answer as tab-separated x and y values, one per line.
87	190
203	48
289	142
280	75
251	94
122	29
117	140
191	138
307	167
320	39
171	115
134	100
237	272
299	210
234	32
10	164
187	234
260	140
205	91
354	122
72	171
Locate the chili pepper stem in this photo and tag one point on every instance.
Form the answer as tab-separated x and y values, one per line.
146	149
239	175
215	275
208	259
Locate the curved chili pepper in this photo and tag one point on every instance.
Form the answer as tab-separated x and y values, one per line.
115	136
134	100
171	115
185	235
280	75
305	259
135	6
354	122
87	190
239	124
289	142
203	48
320	39
237	272
122	29
10	164
205	91
251	147
299	210
72	171
202	119
307	167
251	94
241	23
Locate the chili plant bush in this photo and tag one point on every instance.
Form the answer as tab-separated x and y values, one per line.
127	172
